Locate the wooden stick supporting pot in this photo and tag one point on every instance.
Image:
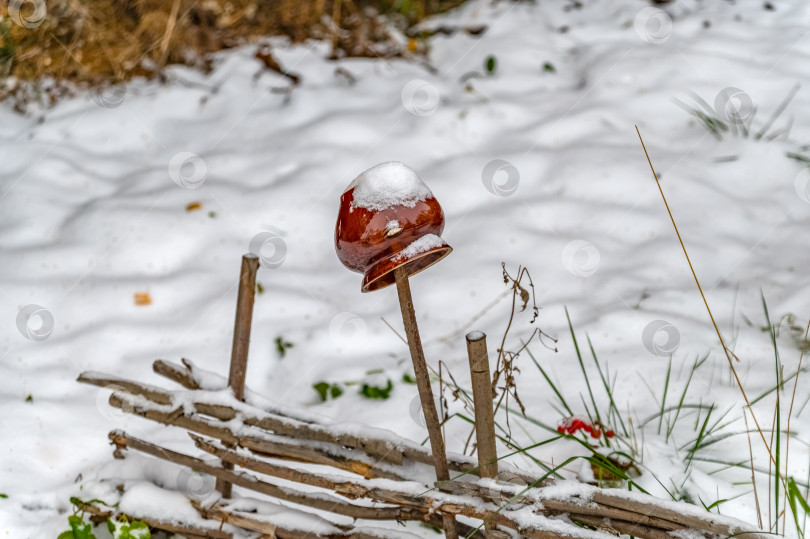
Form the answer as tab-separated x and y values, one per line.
241	340
425	392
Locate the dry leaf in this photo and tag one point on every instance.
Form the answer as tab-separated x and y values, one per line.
194	206
265	54
524	296
143	298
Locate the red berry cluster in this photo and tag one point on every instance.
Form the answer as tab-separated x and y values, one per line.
571	425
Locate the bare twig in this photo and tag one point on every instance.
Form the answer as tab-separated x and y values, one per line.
191	376
173	372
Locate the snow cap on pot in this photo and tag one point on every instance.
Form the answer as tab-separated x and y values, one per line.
388	219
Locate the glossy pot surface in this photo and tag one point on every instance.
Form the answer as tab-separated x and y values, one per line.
376	242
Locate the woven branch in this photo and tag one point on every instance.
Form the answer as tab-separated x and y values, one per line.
265	444
224	514
393	450
190	376
186	530
593	502
319	501
406	506
628	520
249	520
355	449
250	416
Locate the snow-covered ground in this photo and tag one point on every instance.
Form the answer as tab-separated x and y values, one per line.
93	198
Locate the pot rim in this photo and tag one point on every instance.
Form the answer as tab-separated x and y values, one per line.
376	272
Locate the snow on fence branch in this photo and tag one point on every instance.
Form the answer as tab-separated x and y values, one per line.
378	475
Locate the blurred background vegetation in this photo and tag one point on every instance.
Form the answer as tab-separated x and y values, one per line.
48	48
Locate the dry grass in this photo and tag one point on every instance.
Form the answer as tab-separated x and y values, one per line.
91	43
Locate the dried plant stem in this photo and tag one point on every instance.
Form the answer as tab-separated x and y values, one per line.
706	303
753	475
770	464
167	35
336	6
790	410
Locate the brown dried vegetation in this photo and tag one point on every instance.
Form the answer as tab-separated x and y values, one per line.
93	43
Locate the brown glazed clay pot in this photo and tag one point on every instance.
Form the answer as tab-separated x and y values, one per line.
376	240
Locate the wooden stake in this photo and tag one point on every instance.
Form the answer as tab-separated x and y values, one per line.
241	340
241	330
482	399
425	392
